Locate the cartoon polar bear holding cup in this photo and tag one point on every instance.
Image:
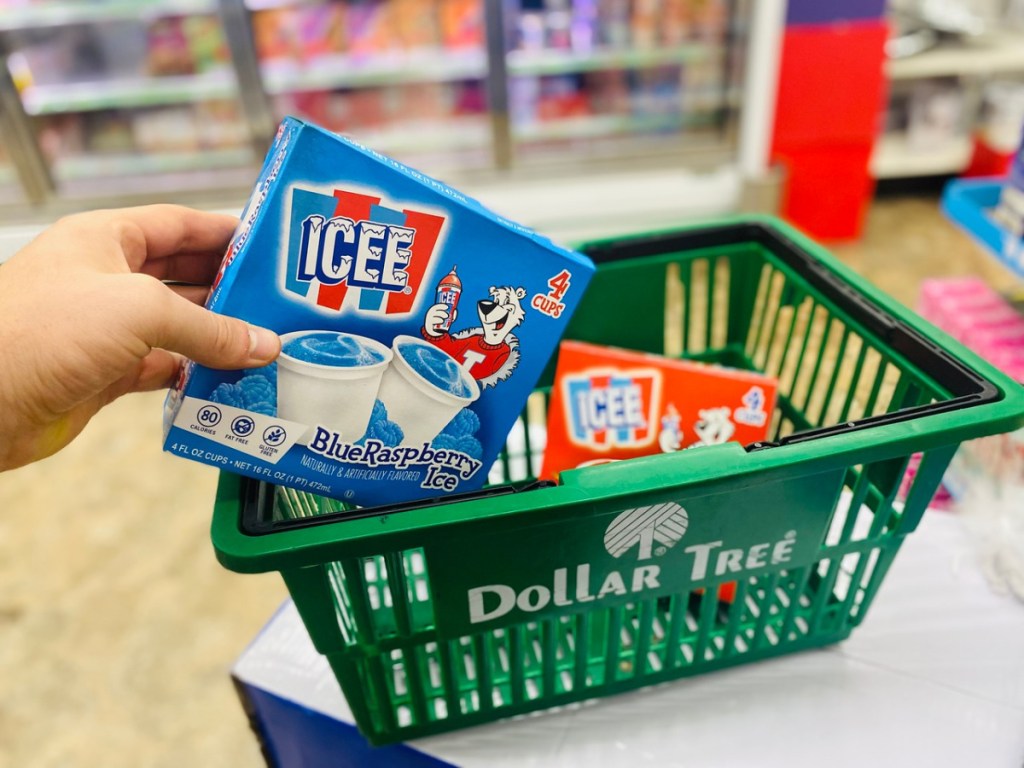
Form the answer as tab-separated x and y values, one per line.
490	351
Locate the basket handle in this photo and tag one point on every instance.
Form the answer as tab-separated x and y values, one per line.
877	314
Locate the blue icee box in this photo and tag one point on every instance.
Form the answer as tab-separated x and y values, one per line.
415	323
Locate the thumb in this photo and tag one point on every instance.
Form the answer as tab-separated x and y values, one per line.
210	339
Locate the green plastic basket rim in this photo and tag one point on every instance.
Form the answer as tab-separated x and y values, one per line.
967	385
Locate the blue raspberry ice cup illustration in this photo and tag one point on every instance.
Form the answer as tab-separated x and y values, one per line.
329	380
424	388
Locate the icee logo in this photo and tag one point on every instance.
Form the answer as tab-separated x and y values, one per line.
643	527
364	254
607	409
346	249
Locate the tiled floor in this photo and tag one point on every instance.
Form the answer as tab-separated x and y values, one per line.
117	625
907	239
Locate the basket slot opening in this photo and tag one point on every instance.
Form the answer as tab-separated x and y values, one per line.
342	607
380	597
398	686
834	394
768	334
798	336
817	385
850	516
861	594
676	328
697	307
376	683
434	670
823	580
863	390
759	310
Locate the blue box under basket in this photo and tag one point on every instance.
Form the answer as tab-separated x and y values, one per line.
970	203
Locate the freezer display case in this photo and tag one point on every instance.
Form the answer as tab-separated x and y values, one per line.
129	97
617	76
406	77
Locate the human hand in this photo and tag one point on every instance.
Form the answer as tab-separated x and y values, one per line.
85	317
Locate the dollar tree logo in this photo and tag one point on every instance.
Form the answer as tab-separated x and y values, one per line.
654	529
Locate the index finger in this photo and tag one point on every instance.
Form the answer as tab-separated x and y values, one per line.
157	231
150	232
194	268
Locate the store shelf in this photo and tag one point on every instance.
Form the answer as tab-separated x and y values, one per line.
458	133
55	14
710	97
128	92
895	158
95	166
969	204
988	56
342	71
266	5
554	62
435	143
600	126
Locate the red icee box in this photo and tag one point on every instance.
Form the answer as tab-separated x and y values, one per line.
610	404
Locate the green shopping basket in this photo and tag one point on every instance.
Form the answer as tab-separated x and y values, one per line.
447	613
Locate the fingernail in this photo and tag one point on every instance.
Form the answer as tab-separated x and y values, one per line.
263	344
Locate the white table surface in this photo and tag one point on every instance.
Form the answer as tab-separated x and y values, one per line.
935	677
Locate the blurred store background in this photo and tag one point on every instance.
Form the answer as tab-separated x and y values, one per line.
702	106
124	100
848	118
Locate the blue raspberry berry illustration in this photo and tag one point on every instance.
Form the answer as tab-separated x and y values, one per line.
465	424
259	394
269	372
468	444
227	394
382	428
387	432
256	393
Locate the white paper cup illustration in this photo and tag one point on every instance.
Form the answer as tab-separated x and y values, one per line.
423	389
330	378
